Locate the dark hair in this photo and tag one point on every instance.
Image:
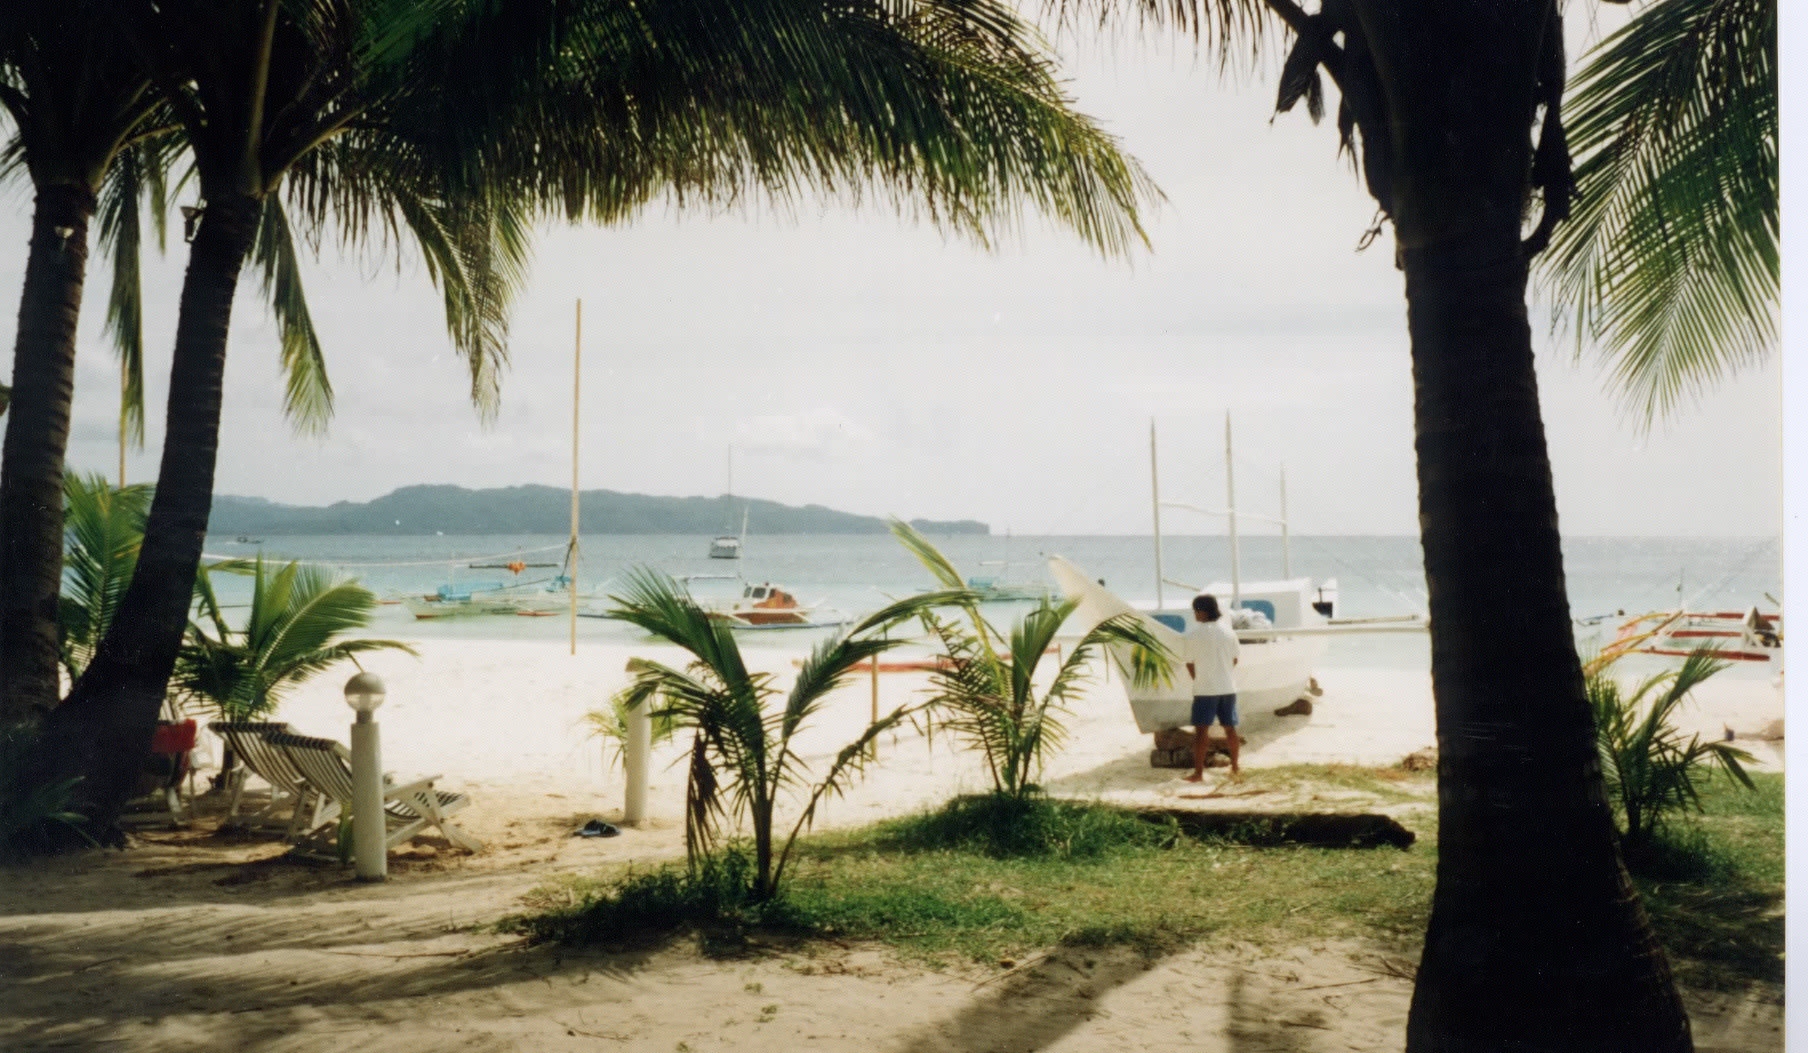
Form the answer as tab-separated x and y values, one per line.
1207	604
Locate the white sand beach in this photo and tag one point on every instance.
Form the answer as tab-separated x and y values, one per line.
190	941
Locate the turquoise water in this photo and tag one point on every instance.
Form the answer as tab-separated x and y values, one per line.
1376	576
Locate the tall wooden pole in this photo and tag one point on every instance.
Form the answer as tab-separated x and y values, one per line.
571	561
1230	496
1155	500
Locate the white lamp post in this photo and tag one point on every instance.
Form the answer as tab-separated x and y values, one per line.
635	756
364	693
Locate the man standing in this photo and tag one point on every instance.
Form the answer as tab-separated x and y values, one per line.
1211	649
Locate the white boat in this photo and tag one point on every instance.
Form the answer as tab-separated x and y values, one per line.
1283	625
728	546
1276	663
767	606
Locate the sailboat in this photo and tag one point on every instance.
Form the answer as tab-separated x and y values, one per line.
1283	625
728	546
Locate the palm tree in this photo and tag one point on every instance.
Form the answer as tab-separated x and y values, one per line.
1536	938
74	107
347	103
1671	263
93	137
743	762
291	634
1650	769
986	692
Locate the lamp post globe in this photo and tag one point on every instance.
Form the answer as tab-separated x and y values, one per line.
364	692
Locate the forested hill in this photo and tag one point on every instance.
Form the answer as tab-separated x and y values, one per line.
546	510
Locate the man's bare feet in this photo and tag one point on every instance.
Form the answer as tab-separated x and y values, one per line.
1195	777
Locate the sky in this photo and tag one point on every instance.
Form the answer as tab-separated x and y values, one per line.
854	359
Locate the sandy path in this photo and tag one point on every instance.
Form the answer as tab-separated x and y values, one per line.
194	942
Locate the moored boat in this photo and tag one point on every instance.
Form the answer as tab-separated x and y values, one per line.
767	606
1736	636
1273	620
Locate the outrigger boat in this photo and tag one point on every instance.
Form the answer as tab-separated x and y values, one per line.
528	599
1737	636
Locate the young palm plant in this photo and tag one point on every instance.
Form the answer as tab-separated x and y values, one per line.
103	527
743	759
1650	769
986	693
291	634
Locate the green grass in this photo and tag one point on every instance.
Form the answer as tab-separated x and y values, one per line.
991	882
1713	885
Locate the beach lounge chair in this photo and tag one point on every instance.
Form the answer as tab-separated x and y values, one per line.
295	807
409	808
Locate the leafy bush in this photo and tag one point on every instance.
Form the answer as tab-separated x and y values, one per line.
1002	826
33	815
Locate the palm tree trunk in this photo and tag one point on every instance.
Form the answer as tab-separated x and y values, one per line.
103	731
1537	940
37	436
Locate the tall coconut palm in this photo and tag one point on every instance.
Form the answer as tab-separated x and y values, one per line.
1536	938
87	128
74	107
1670	264
951	105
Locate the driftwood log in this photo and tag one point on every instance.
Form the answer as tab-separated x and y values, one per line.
1326	830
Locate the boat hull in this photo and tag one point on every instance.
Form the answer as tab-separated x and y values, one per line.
1269	673
1273	669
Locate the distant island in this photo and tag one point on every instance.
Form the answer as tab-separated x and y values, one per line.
547	510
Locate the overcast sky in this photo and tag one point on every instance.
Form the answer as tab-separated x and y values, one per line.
854	360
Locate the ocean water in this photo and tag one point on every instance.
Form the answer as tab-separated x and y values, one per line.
1376	576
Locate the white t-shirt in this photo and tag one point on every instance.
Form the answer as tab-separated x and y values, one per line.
1212	648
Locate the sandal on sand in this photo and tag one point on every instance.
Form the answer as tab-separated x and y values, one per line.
597	828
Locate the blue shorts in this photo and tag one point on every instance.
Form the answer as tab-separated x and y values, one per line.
1223	707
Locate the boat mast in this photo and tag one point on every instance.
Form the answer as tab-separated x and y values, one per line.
1230	492
571	551
1286	543
1155	492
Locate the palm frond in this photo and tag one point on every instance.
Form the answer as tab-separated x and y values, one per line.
1670	261
307	393
103	529
849	764
120	201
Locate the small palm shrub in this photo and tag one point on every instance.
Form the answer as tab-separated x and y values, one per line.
742	726
1651	771
291	635
986	693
